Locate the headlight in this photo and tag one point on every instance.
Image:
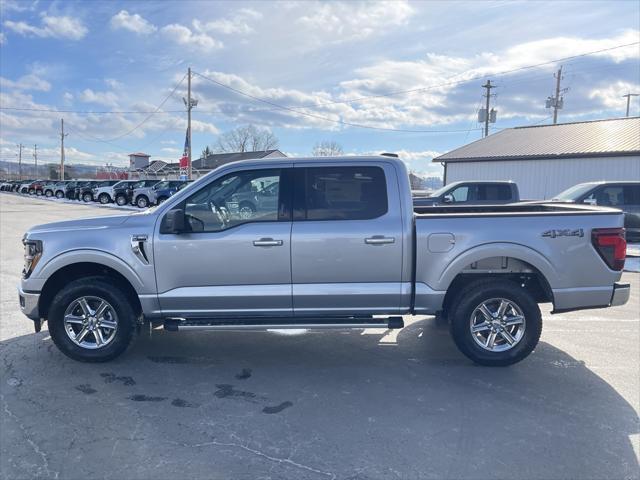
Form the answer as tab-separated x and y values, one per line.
32	255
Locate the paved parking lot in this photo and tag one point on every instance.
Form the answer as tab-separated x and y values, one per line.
313	405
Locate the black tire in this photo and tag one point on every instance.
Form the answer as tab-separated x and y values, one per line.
31	191
142	201
59	194
48	194
87	197
104	198
160	200
477	292
121	200
96	287
247	209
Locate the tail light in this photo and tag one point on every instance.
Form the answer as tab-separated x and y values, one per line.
610	245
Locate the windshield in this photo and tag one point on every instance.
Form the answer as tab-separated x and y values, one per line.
574	192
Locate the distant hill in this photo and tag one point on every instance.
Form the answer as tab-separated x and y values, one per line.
47	170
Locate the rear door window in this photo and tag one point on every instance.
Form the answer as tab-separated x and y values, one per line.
493	192
341	193
632	195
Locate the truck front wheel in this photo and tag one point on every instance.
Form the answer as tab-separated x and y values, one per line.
495	322
91	320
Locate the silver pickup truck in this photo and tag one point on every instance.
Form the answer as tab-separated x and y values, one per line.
342	247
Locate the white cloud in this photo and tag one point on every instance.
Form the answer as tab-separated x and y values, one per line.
26	82
335	22
3	38
113	83
238	23
17	6
611	95
171	150
134	23
184	36
64	27
108	99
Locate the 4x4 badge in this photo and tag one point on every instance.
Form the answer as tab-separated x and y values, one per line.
564	233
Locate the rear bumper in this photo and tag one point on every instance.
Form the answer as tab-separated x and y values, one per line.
29	303
621	292
570	299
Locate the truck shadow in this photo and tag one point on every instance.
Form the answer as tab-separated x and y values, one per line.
371	402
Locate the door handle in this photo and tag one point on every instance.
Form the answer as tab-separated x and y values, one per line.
267	242
379	240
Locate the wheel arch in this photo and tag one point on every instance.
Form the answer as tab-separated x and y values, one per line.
519	264
73	271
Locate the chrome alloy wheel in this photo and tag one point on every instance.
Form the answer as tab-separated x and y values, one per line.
246	212
90	322
497	324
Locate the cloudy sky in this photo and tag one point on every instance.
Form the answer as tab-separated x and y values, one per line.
374	76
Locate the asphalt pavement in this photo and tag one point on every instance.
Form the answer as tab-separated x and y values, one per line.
314	405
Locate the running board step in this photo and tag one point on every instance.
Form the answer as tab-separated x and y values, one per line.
180	324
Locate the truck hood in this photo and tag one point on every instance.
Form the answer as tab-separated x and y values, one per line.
92	223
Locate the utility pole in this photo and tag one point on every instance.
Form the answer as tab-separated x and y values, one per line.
556	102
189	103
62	135
189	107
629	95
35	157
557	97
488	113
20	161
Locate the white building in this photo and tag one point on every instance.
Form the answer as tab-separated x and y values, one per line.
138	160
545	160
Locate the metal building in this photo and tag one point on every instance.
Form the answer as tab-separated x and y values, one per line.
545	160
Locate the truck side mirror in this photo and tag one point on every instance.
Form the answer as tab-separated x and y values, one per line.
448	198
173	221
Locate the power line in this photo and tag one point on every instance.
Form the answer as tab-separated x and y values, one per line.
457	82
320	117
110	140
151	114
89	112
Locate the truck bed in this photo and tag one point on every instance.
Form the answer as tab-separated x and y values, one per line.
514	209
550	239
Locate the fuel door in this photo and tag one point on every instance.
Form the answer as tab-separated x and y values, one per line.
441	242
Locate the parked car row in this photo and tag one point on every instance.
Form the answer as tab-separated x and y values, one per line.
142	193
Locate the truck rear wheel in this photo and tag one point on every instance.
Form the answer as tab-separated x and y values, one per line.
91	320
495	322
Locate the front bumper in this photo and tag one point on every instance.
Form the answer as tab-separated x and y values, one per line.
29	303
621	292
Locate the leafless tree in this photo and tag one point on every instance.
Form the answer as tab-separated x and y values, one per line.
248	138
206	152
327	148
